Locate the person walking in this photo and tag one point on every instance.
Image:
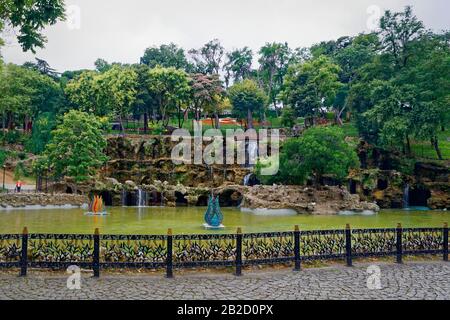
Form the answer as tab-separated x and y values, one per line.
18	186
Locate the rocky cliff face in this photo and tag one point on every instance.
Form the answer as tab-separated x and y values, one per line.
428	183
146	160
328	200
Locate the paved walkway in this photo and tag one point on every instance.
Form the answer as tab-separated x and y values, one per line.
424	280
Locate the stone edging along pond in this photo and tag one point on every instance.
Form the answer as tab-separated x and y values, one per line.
39	200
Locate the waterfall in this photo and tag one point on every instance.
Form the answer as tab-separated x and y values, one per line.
252	153
406	196
247	179
124	198
141	200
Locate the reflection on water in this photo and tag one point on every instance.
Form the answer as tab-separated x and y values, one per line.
156	220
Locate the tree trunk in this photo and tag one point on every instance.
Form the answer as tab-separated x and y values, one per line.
216	120
249	119
10	121
408	145
435	144
145	122
122	129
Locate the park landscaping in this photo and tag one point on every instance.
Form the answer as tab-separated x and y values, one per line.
363	122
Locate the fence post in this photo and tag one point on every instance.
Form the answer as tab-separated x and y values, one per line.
169	260
96	256
24	253
348	245
399	243
239	252
445	238
297	248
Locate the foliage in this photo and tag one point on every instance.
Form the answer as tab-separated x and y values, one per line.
208	59
42	133
288	118
109	93
238	65
247	98
170	88
30	17
206	94
311	87
166	56
274	61
76	147
319	151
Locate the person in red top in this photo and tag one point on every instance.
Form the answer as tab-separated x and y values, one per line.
18	186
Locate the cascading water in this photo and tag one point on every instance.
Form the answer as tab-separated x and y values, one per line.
124	198
247	179
406	196
141	200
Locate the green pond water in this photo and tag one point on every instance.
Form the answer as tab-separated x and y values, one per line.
156	220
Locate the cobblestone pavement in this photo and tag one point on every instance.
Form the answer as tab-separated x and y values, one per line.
414	280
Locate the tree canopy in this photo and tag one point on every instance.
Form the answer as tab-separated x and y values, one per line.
30	17
76	147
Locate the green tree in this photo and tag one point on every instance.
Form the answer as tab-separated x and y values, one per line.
41	135
398	31
247	98
166	56
206	95
238	65
170	89
311	87
208	59
288	118
116	89
76	147
319	151
30	17
109	93
274	61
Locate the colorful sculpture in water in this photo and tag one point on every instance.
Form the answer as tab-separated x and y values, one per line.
213	215
96	206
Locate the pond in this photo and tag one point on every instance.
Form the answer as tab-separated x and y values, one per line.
184	220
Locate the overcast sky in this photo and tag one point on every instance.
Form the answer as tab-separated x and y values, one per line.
120	30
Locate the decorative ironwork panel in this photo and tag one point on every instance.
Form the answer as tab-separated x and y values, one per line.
371	242
323	244
136	251
422	240
10	248
53	249
213	249
265	246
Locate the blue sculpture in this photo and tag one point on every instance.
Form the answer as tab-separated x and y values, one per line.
213	215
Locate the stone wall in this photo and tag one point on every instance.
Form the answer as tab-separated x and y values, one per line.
144	160
17	200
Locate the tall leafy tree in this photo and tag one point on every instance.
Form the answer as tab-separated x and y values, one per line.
247	99
25	93
170	89
76	148
208	59
30	17
117	90
274	61
207	93
398	31
310	88
238	65
166	55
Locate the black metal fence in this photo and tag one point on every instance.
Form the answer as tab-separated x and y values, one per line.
99	252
